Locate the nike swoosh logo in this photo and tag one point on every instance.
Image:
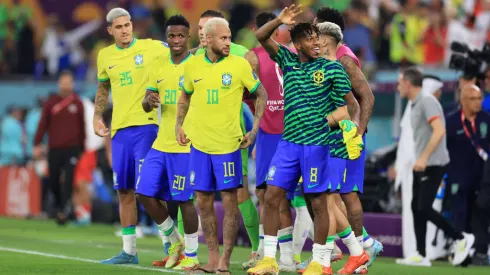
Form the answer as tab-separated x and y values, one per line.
312	185
197	80
160	80
228	181
296	68
110	67
175	194
460	132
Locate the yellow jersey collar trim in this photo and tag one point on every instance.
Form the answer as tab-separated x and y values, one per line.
130	45
183	60
209	61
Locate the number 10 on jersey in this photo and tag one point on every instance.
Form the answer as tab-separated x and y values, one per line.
213	96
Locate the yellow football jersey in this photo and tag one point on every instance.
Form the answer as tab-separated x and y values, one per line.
127	70
217	92
165	79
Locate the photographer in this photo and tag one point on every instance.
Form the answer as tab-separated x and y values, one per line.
467	143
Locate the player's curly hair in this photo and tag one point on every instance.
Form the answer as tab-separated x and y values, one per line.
212	13
327	14
177	20
263	18
302	30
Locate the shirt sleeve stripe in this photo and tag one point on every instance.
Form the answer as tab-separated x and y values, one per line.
255	87
433	118
152	89
103	79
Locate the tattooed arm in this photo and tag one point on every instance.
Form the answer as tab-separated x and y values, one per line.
100	103
182	109
353	107
361	90
260	104
253	59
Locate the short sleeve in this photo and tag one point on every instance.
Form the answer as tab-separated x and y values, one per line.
249	79
152	81
431	108
187	84
341	85
102	75
283	56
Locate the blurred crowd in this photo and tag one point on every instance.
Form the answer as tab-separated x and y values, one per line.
383	33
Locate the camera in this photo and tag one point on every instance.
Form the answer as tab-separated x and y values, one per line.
470	62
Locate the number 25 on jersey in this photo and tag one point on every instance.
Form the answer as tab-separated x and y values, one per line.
126	78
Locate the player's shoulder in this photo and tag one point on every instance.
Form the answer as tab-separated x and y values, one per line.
238	61
153	43
160	62
193	59
330	64
107	50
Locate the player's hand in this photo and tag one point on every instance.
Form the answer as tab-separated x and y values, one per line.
420	165
154	100
99	128
360	132
181	137
254	152
248	139
288	14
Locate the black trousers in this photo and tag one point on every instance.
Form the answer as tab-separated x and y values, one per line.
425	186
480	216
62	161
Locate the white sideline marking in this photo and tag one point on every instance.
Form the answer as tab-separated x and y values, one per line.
58	256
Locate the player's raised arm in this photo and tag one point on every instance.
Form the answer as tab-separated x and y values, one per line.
264	33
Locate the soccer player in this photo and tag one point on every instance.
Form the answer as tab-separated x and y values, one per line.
354	176
330	37
216	82
269	135
245	205
309	82
164	174
123	67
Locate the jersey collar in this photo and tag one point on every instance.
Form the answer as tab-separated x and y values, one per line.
130	45
209	61
183	60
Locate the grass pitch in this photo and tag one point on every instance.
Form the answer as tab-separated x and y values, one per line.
41	247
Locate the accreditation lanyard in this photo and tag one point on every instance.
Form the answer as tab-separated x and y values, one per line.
478	148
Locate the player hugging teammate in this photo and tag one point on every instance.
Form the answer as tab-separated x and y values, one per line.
200	145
